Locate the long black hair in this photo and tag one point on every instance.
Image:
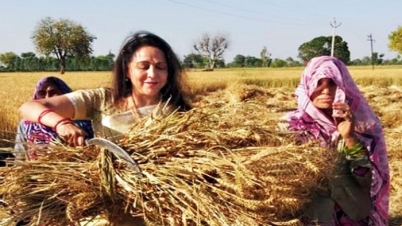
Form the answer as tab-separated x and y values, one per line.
175	86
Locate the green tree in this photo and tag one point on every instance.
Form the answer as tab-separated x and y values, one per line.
366	60
62	38
220	63
321	46
212	47
29	62
9	60
239	61
28	55
292	63
194	60
395	40
110	56
265	57
377	58
356	62
253	61
278	63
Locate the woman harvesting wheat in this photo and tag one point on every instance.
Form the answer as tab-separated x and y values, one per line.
146	73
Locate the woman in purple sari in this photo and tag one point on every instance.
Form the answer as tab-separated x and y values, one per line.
32	136
332	110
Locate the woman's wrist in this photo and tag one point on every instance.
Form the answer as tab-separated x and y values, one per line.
355	149
350	141
62	121
42	114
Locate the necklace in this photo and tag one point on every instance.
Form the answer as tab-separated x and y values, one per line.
134	108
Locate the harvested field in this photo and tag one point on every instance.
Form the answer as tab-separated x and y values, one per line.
238	134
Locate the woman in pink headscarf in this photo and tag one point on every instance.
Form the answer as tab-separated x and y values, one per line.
332	110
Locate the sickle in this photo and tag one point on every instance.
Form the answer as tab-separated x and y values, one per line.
117	151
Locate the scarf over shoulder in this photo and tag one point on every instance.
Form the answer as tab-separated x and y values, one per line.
310	123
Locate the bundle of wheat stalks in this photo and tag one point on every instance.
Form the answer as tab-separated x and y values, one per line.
209	166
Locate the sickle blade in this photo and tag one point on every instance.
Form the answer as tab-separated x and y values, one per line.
117	151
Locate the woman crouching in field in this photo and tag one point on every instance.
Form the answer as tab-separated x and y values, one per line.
33	136
332	110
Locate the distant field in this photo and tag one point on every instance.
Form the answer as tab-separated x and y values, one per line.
15	88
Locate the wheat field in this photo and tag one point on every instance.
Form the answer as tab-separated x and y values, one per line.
382	88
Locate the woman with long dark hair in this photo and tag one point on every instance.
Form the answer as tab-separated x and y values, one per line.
147	75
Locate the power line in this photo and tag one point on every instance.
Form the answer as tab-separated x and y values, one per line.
334	26
233	15
229	6
243	9
295	7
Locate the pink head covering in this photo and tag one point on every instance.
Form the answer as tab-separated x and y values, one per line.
313	124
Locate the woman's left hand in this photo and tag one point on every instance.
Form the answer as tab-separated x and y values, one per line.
344	120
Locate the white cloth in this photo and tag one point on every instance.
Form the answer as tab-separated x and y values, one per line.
108	120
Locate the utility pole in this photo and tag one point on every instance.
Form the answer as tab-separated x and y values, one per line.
334	26
371	40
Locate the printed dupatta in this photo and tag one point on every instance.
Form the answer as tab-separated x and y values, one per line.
311	123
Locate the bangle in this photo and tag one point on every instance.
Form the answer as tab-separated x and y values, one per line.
43	113
355	151
61	122
352	138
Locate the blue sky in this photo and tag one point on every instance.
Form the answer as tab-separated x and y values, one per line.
280	25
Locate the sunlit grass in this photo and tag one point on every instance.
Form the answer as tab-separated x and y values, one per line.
16	88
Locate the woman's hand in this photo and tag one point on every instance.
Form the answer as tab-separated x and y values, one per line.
71	134
344	120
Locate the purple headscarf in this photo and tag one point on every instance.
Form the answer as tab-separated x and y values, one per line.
60	84
313	124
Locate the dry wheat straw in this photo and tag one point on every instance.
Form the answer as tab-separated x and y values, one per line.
203	167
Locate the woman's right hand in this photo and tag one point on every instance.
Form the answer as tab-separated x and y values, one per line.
71	134
344	120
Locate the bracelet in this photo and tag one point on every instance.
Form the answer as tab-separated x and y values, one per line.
355	151
61	122
43	113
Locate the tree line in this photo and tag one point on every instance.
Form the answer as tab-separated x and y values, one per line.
66	45
30	62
